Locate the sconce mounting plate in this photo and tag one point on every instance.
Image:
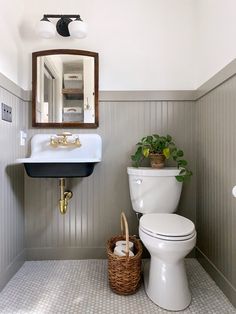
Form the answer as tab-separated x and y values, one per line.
62	26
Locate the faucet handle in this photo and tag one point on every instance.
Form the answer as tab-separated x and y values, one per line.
77	142
53	142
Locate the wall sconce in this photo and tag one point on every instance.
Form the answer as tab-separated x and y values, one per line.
65	26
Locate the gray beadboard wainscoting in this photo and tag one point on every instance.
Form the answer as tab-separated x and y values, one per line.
94	211
12	187
203	126
216	175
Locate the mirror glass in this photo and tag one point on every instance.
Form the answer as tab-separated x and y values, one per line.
65	88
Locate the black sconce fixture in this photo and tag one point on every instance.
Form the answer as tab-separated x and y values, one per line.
67	25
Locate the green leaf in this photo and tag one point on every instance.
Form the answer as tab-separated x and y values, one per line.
182	162
168	138
180	153
145	152
135	164
166	152
180	178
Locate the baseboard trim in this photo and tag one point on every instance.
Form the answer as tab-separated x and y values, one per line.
228	289
65	253
10	271
37	254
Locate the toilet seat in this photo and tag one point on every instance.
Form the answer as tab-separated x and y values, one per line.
160	237
171	227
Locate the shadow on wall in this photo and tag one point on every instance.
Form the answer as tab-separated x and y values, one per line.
13	171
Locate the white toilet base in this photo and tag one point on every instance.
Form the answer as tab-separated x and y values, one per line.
167	285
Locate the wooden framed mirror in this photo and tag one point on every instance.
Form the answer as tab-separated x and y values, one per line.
65	89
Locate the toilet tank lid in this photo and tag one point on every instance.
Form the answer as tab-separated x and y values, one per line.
171	225
151	172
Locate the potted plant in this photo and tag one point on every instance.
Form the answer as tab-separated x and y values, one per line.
159	148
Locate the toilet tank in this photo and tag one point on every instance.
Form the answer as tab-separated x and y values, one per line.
154	190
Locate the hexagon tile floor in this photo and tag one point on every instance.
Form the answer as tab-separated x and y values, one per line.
48	287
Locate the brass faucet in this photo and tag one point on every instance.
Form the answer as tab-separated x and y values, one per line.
62	140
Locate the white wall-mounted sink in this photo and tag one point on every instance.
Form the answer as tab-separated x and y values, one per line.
47	161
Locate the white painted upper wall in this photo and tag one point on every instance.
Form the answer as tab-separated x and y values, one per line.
11	45
142	45
215	37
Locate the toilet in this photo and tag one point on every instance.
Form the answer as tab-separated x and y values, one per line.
168	237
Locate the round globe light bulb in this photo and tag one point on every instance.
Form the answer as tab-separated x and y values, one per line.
78	29
45	29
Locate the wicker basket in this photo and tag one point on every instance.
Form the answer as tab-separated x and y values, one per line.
124	272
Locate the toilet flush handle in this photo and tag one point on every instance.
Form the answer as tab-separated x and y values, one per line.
138	181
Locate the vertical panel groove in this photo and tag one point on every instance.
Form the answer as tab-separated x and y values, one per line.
216	173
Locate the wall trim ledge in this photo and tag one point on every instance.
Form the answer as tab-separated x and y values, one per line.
10	271
228	289
14	89
147	95
65	253
216	80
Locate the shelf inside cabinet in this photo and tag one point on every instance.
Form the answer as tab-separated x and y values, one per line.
73	93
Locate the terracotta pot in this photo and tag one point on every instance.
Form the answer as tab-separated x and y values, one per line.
157	160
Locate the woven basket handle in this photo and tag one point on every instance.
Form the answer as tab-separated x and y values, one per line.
125	229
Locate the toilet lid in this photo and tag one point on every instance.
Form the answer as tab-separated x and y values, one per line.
170	225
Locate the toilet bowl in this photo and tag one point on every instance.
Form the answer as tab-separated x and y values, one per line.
168	237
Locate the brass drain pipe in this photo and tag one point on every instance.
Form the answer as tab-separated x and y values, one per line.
65	196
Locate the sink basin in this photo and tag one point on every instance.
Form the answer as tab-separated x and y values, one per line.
59	169
47	161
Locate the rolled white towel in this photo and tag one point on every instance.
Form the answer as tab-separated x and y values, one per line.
123	243
120	251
